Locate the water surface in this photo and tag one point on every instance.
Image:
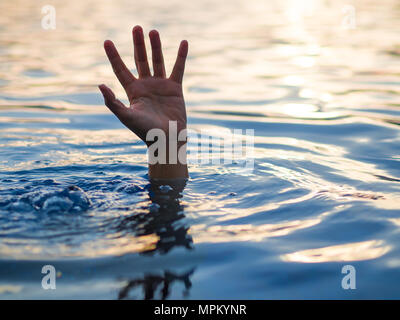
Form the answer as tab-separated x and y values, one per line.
321	94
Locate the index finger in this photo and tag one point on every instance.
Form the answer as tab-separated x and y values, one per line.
179	67
124	76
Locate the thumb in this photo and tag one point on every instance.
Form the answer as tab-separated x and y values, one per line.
116	106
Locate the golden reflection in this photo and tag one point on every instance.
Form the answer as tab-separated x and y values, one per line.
333	157
233	233
32	120
343	192
94	146
248	232
301	110
304	62
8	288
357	251
293	80
395	221
297	11
89	249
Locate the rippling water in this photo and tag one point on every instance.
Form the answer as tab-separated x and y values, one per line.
322	95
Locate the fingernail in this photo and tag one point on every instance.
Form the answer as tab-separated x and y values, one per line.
155	32
102	87
137	28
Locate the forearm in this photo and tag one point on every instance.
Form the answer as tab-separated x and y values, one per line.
173	167
168	171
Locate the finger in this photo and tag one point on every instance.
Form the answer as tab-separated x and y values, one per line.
179	67
116	106
124	76
140	52
157	55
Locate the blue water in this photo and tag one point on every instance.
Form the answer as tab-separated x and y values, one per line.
323	100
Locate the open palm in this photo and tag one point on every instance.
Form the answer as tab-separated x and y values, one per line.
154	99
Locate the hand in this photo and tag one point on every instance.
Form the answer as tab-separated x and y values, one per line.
154	99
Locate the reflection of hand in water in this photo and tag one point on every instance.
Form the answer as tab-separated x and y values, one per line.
150	284
162	222
166	198
161	218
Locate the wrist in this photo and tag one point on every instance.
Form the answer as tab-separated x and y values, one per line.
167	151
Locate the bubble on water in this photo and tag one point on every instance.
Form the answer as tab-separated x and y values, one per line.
20	206
165	188
78	197
130	188
57	204
69	199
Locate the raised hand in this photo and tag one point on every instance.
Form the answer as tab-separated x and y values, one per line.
154	99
